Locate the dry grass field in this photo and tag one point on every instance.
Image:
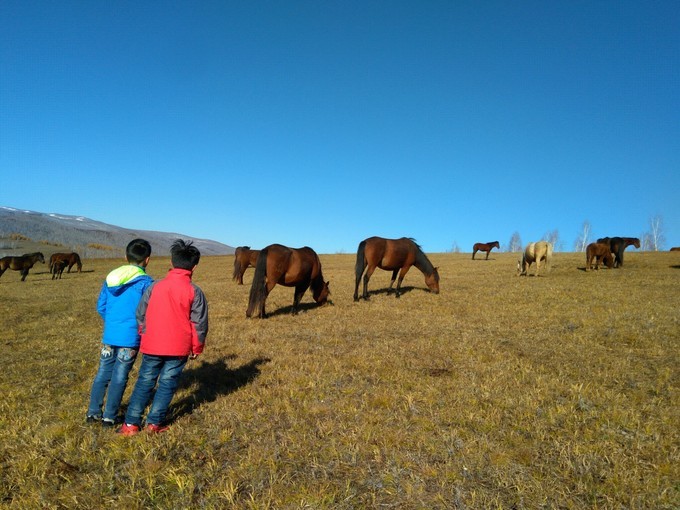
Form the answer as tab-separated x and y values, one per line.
501	392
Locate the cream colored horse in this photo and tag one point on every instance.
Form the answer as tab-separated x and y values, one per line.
535	252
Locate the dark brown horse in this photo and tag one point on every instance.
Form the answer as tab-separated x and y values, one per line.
600	252
396	255
675	248
22	263
290	267
244	257
617	245
72	259
58	268
487	247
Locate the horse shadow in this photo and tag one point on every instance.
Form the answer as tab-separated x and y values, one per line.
404	290
212	380
302	307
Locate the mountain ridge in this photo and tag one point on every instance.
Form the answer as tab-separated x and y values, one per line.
90	238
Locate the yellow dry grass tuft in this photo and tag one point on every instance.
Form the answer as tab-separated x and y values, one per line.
501	392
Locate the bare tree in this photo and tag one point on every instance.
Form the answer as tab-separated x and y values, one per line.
553	238
581	242
654	239
455	248
515	243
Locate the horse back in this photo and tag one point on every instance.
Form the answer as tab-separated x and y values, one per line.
303	266
390	254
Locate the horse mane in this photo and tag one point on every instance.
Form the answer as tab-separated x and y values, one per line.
317	282
414	242
422	262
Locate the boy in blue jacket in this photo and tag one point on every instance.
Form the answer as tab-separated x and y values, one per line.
117	303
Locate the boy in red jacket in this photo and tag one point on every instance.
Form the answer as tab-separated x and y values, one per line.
173	322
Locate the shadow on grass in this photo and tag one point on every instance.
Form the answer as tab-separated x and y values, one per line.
212	380
404	290
288	310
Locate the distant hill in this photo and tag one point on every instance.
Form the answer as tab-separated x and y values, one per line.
26	231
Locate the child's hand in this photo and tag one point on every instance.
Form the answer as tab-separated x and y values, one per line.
193	356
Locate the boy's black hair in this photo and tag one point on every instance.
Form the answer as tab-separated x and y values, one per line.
184	255
137	251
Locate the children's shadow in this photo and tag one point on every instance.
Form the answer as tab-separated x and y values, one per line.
212	380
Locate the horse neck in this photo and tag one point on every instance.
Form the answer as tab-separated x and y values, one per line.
317	284
423	263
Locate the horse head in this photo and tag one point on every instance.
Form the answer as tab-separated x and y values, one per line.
321	294
41	257
432	281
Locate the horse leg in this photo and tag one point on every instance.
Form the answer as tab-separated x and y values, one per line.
24	274
402	273
367	277
299	292
473	254
487	255
394	278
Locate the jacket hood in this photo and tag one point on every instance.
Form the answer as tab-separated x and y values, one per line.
117	279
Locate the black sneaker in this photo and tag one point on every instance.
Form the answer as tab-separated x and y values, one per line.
109	424
93	419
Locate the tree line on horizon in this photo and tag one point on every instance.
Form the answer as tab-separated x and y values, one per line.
653	239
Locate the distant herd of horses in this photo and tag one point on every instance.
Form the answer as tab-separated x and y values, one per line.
58	262
301	267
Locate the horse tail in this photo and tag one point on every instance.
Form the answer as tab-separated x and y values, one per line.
237	268
258	289
79	263
361	261
622	248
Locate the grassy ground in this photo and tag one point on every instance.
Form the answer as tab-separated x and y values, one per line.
500	392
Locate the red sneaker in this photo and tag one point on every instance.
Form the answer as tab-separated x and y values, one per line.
128	429
156	429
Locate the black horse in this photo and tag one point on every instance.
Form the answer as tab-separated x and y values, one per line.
617	245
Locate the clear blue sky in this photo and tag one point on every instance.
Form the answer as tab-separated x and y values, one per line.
323	123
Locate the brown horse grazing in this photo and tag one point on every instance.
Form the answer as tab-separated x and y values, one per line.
487	247
601	253
617	245
22	263
675	248
290	267
58	268
243	258
72	259
535	252
396	255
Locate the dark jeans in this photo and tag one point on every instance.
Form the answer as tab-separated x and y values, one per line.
115	364
164	371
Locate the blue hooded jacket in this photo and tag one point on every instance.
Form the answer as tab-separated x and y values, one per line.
117	304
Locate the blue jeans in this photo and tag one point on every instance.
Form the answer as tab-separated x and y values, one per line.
115	364
164	371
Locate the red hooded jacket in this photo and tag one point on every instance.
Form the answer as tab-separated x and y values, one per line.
173	316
